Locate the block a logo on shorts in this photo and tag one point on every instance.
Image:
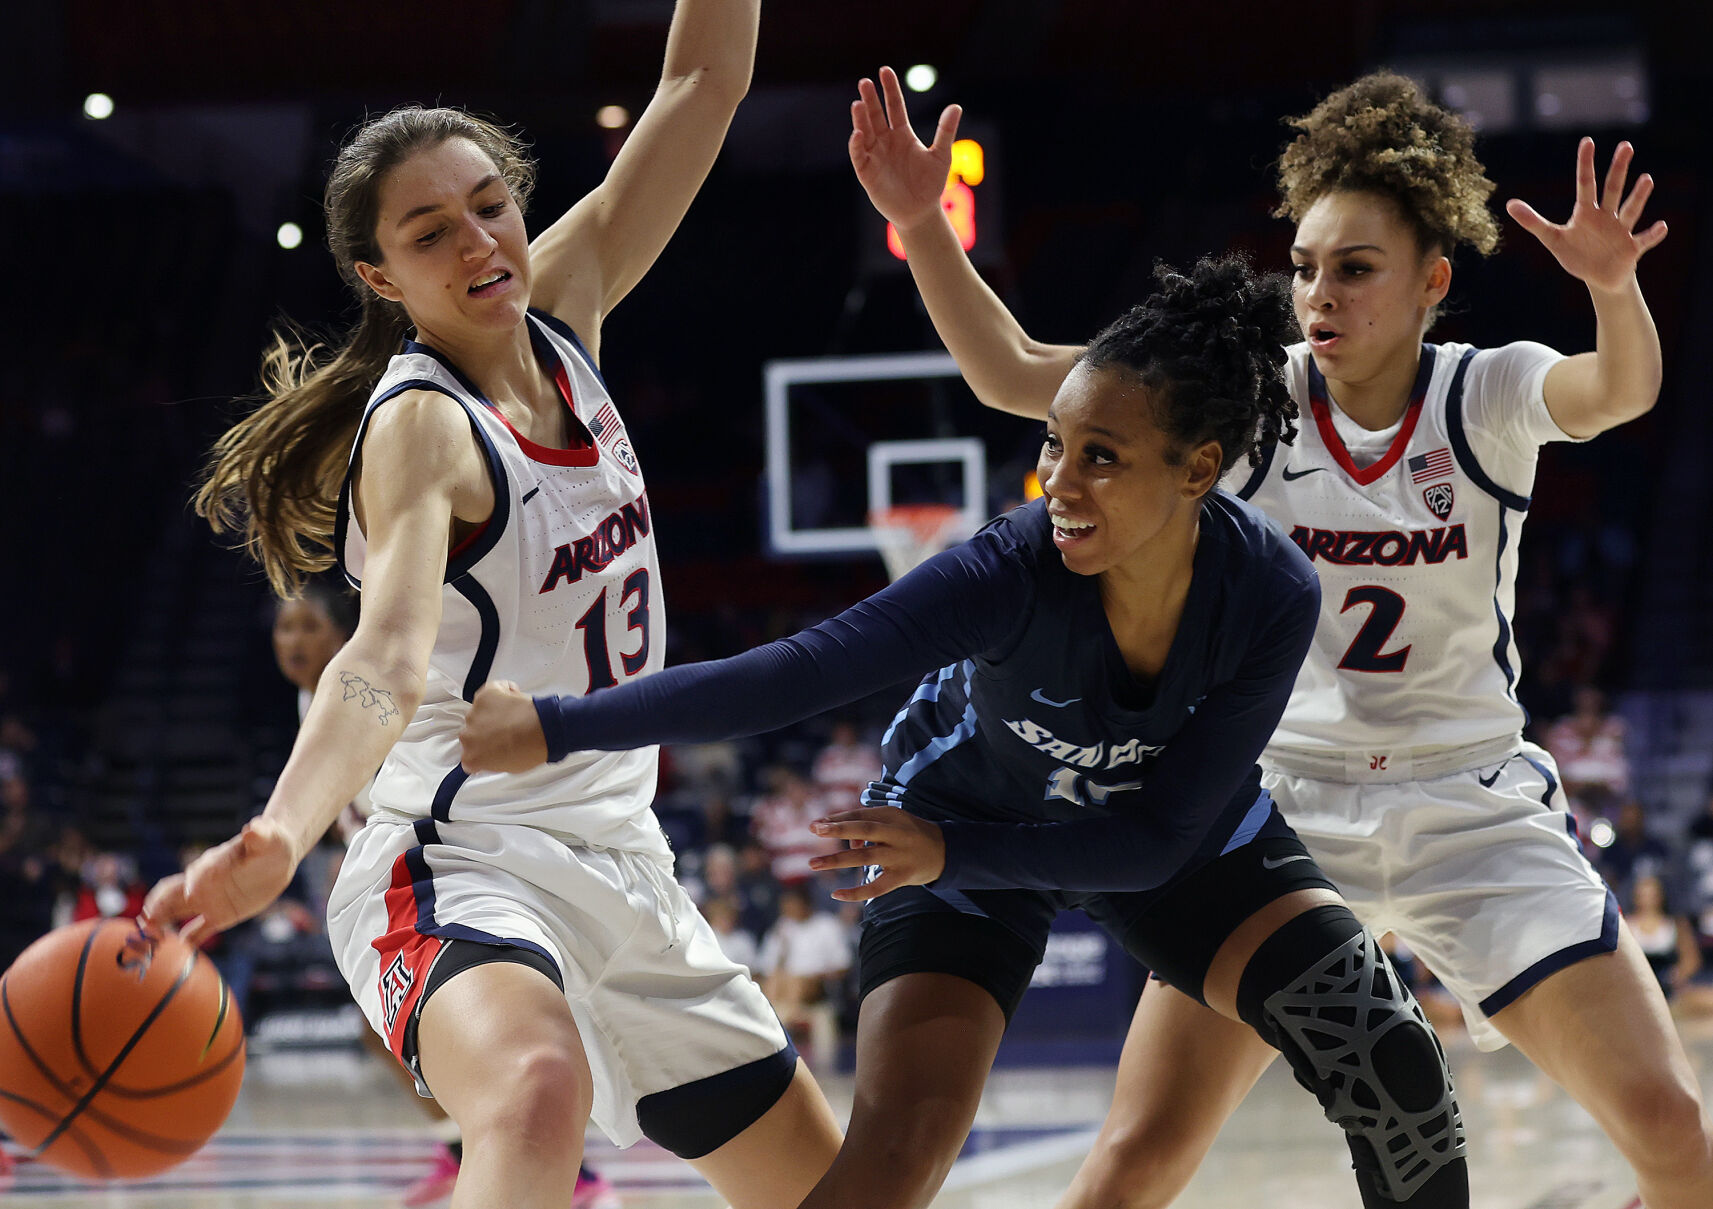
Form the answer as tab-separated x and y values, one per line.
1439	499
396	982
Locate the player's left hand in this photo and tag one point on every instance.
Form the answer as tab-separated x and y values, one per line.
1599	244
910	851
502	732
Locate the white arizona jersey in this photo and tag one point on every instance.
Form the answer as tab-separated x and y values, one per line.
1415	539
559	591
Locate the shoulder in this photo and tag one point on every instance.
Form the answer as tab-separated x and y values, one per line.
1509	375
418	421
1019	532
1259	551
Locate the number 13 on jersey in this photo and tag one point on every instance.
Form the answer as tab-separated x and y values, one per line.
633	602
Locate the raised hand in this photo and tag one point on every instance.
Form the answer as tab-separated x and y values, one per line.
502	732
903	178
227	884
909	851
1599	244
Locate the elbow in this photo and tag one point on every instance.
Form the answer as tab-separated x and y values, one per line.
714	86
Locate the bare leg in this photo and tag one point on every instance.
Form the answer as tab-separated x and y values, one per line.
1601	1030
776	1161
925	1043
501	1053
1184	1070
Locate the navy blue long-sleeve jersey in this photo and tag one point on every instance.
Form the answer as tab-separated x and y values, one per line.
1045	761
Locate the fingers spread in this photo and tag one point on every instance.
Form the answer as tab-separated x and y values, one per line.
947	131
1616	173
1630	213
897	114
1528	218
1585	172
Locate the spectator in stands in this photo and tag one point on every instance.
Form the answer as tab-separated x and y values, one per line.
1696	854
706	767
721	822
781	822
308	631
735	943
110	889
1589	748
26	885
803	962
1634	853
1666	939
758	890
845	766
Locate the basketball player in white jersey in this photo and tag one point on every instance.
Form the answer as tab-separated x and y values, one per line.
308	631
519	940
1399	759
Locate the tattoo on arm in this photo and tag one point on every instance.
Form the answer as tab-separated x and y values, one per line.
368	696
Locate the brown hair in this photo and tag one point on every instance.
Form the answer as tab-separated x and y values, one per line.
275	475
1381	135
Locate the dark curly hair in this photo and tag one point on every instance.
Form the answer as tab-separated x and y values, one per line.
1210	347
1382	135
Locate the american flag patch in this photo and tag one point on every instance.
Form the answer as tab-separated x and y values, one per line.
1434	464
605	425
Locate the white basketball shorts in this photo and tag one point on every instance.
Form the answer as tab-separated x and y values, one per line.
656	1002
1479	872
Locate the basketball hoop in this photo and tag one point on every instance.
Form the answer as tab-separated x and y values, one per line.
908	534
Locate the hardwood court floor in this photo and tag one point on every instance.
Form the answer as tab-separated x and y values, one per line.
330	1129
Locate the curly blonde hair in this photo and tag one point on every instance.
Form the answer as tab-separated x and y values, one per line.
1382	135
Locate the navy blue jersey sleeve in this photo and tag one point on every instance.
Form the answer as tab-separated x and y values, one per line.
1190	784
971	599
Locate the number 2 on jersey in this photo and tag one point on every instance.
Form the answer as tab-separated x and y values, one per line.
1386	609
594	626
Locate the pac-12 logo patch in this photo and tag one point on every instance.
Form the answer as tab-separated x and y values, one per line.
622	451
396	982
1439	499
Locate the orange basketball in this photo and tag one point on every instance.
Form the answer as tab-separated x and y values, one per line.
120	1050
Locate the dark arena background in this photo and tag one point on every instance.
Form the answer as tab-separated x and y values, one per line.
160	174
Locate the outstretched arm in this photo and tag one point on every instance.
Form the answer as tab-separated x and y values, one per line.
420	468
588	260
1004	367
1599	245
965	600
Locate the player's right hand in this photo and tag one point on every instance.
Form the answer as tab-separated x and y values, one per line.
227	884
502	731
903	178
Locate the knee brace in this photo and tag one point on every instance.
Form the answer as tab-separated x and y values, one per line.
1357	1039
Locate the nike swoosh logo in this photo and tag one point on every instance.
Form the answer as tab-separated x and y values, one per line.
1036	696
1289	476
1268	862
1487	782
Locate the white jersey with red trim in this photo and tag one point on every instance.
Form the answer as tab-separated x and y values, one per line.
559	591
1415	540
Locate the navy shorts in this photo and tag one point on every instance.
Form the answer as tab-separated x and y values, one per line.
996	938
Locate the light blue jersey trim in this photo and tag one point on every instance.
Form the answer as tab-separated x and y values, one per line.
1252	823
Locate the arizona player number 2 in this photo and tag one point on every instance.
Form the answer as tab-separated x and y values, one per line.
1365	653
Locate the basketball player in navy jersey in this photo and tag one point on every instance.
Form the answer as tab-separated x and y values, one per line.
1100	669
518	940
1399	759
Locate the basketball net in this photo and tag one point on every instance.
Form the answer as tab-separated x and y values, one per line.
908	534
